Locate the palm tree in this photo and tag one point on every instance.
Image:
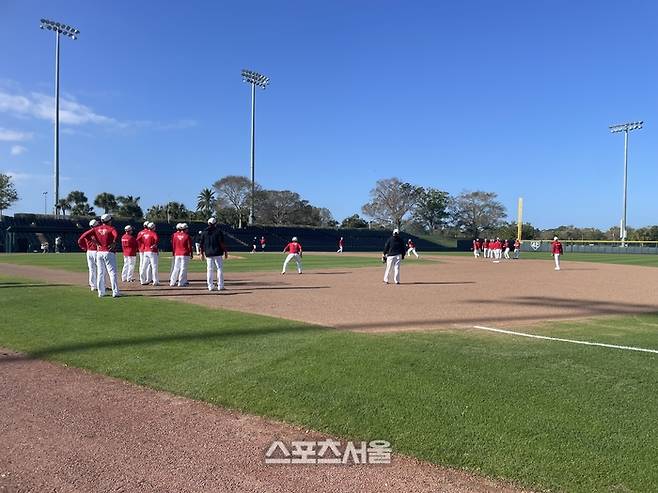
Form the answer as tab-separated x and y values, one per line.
64	205
206	202
128	206
106	201
81	205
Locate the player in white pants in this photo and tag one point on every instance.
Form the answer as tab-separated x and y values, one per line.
150	245
106	237
393	253
213	249
294	251
129	247
89	246
181	248
144	268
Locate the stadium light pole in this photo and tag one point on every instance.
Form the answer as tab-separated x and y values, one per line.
625	127
58	28
255	79
45	202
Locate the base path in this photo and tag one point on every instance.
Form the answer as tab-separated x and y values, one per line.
63	430
453	292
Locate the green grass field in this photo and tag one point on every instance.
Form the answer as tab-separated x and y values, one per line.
544	414
246	263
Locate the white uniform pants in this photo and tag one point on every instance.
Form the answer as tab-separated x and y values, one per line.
393	261
128	270
507	253
149	268
179	272
298	261
412	250
212	264
93	270
106	262
557	261
145	274
476	252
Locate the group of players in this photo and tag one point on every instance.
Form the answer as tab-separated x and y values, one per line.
100	242
495	249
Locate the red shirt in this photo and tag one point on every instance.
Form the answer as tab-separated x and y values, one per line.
556	247
262	241
517	244
181	244
293	247
105	236
410	244
86	244
476	245
486	244
150	241
341	242
140	244
129	245
506	244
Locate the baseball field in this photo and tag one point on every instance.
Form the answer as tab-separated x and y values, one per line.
482	376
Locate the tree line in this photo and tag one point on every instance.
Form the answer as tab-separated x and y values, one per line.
392	203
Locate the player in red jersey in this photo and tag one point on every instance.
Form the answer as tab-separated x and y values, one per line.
294	250
181	248
411	248
506	249
129	247
341	244
150	245
144	267
517	249
88	246
556	251
105	237
476	247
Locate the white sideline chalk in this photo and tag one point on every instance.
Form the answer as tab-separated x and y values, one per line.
586	343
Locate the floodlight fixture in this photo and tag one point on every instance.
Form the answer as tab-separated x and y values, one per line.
73	33
260	80
625	127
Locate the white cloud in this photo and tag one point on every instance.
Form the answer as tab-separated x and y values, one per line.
8	135
17	150
71	112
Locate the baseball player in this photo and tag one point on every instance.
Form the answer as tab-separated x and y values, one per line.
181	247
197	243
411	248
517	249
254	245
106	238
89	246
485	246
506	249
294	250
393	254
476	247
262	243
341	244
144	268
129	248
150	244
213	249
556	251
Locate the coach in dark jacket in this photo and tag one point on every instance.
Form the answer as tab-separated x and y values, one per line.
212	248
393	253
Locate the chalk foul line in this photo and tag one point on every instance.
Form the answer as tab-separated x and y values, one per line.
572	341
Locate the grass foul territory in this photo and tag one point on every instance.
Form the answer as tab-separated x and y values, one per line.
558	417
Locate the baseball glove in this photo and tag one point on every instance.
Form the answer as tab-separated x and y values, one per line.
383	259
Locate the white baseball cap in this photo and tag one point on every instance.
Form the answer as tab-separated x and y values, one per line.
146	224
179	225
294	238
396	231
128	228
93	223
555	238
106	218
212	220
151	225
183	225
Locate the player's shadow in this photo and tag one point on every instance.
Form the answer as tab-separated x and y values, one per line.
208	336
439	282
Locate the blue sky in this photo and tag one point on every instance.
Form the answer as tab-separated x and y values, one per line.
512	97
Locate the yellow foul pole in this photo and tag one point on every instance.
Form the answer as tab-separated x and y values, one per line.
519	219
